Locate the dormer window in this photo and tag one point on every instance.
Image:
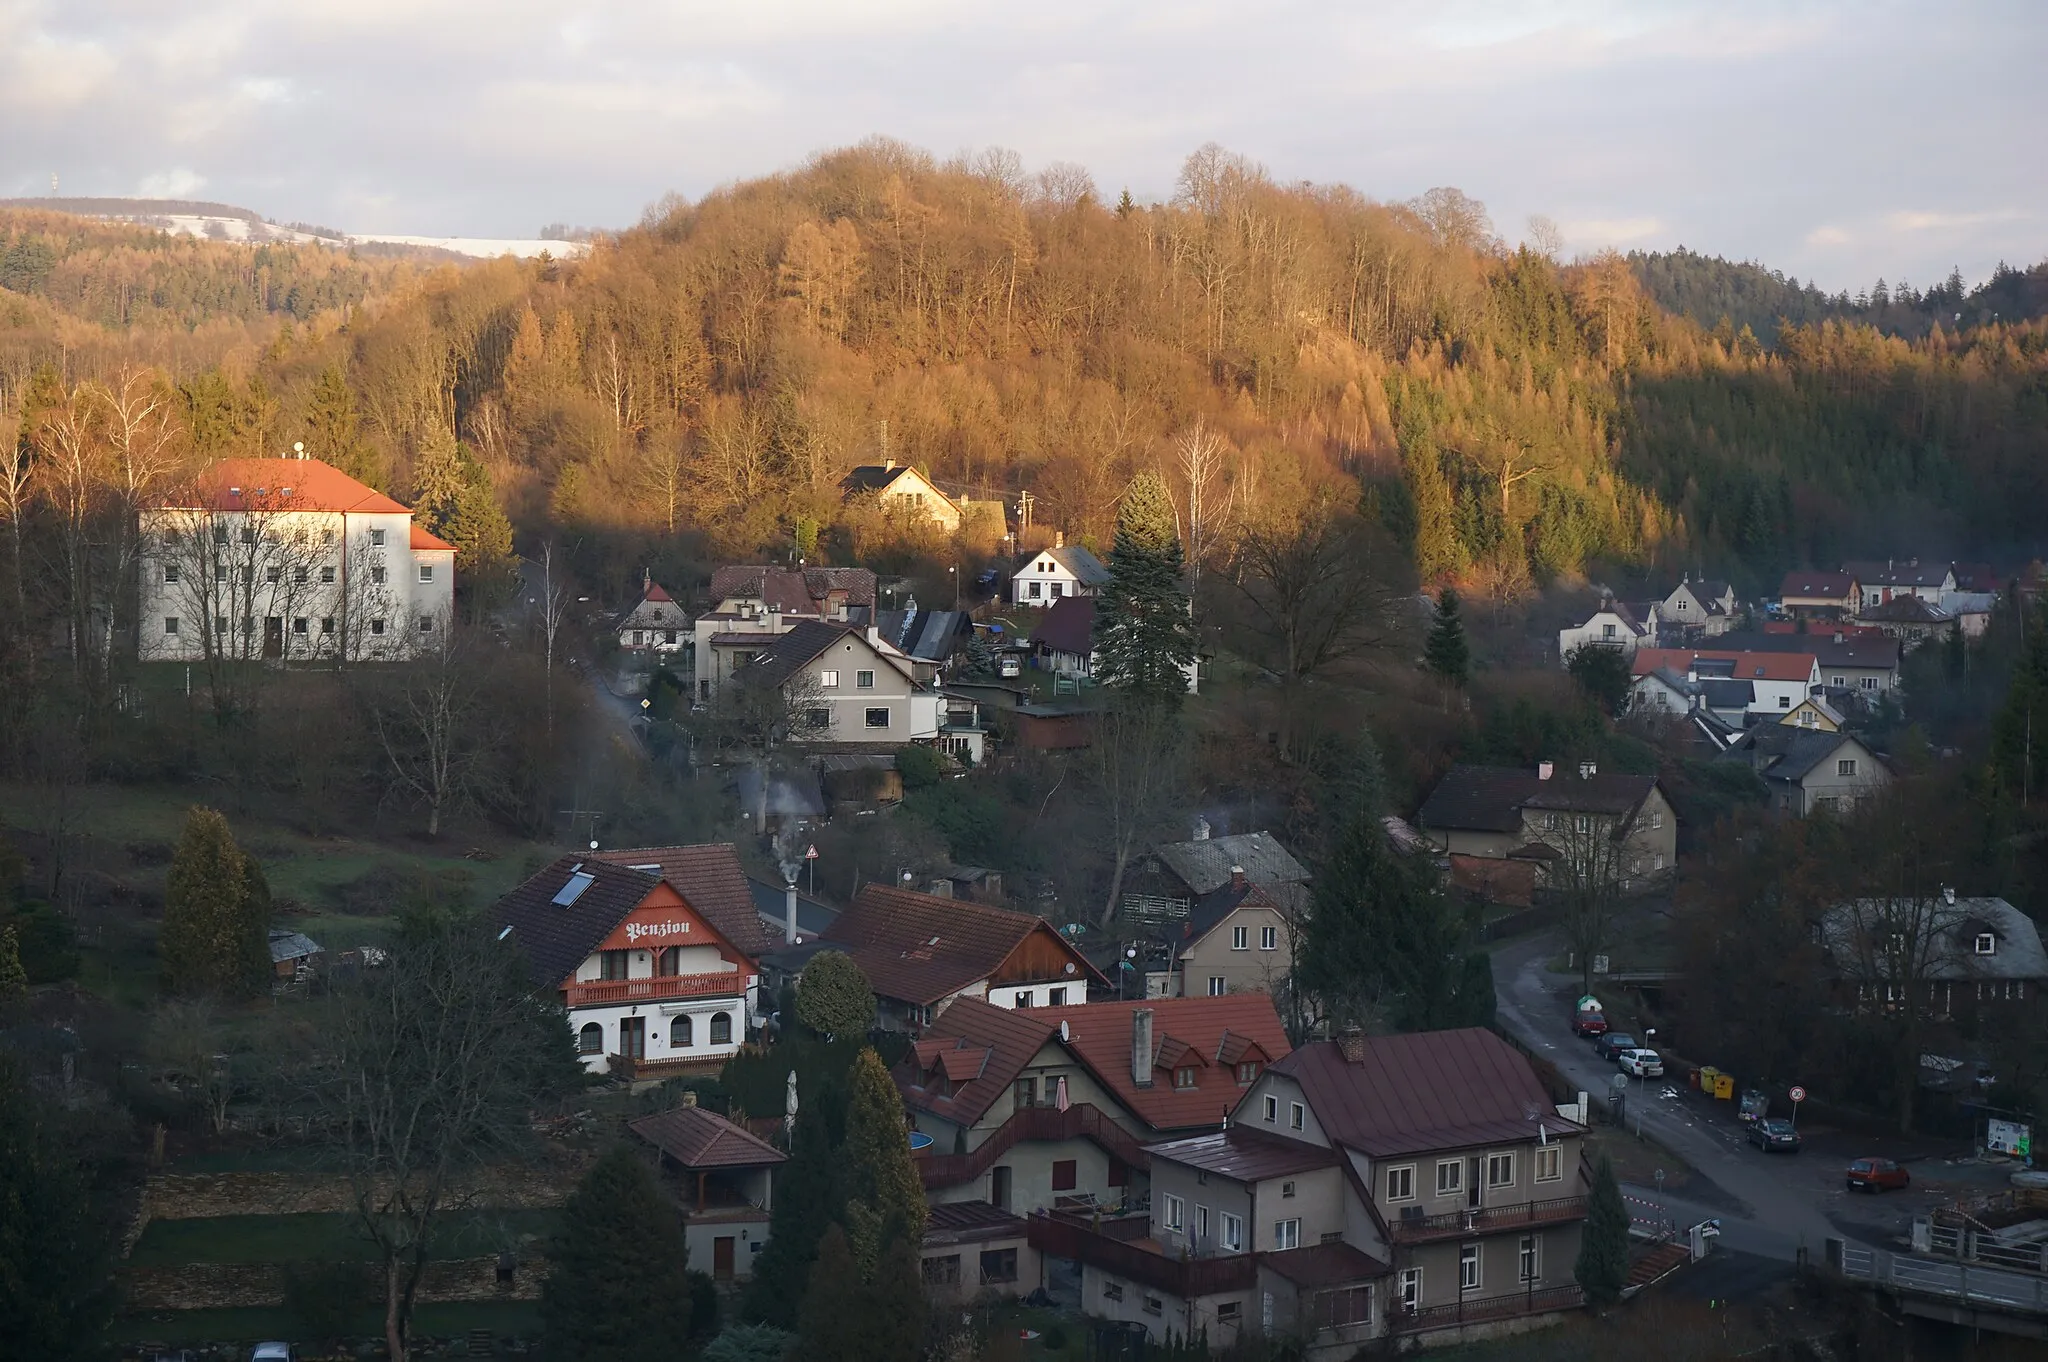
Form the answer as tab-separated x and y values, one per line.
1247	1072
1184	1077
1987	944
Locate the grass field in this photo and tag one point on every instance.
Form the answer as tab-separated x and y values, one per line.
189	1328
322	1237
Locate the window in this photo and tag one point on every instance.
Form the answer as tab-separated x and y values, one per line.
679	1034
426	572
1232	1238
377	575
1056	997
1987	944
1450	1177
1154	1305
998	1266
1409	1289
1272	1109
1240	938
170	624
1401	1183
1500	1170
1023	998
1468	1267
1286	1234
1247	1073
1066	1176
1217	986
327	576
1529	1262
1112	1291
1784	702
1037	590
1607	631
377	627
248	624
829	678
876	718
1345	1306
248	534
942	1271
1184	1078
1297	1115
1027	1092
1867	682
220	572
327	624
376	539
1059	588
1846	766
818	717
1172	1212
426	624
1807	718
1201	1224
1286	1189
300	575
721	1029
220	534
301	625
220	627
170	574
1549	1163
611	964
1269	938
1229	1312
864	680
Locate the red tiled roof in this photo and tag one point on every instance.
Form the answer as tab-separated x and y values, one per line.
696	1138
1748	666
919	948
1429	1090
280	484
1100	1034
423	538
655	593
1003	1042
709	878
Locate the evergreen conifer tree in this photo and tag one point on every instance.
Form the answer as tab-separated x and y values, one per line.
1438	551
1602	1269
836	1306
884	1195
252	966
1144	635
209	941
1446	654
618	1285
486	571
334	432
805	1207
13	978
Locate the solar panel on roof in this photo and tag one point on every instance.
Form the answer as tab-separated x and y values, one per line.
573	890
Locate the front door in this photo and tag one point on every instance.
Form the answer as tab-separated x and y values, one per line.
721	1258
999	1187
633	1037
273	636
1473	1171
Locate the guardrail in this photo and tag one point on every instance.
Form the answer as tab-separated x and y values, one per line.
1948	1279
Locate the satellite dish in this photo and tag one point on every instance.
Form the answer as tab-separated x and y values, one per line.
593	844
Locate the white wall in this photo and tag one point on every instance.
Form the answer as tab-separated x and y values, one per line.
659	1016
1596	630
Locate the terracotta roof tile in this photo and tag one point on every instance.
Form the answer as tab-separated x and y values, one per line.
709	878
696	1139
426	540
1758	665
1100	1034
281	484
1005	1040
793	591
920	949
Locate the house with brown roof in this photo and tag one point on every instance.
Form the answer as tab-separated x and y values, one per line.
656	624
1810	595
647	965
844	685
1031	1109
1909	618
1612	624
750	602
1895	577
1163	886
1848	661
1064	641
902	491
728	1183
921	952
1503	827
1416	1188
1775	680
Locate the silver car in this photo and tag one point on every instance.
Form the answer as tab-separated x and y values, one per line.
1641	1063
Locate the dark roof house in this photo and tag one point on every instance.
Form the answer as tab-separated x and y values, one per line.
561	913
1069	627
921	950
794	591
1492	798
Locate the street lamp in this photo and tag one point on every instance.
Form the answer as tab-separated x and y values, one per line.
954	573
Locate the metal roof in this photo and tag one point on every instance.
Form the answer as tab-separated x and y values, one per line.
1204	864
1246	1156
1943	935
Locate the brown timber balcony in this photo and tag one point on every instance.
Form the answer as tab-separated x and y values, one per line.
1141	1260
1423	1229
727	985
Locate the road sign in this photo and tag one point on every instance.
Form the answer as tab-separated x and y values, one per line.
1798	1094
1599	964
811	854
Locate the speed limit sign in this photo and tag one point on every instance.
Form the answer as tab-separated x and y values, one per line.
1798	1094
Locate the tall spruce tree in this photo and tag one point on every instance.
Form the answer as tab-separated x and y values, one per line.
885	1196
13	978
1144	635
1446	654
212	940
1602	1269
334	431
618	1286
806	1204
835	1306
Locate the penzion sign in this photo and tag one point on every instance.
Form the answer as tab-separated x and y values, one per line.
655	931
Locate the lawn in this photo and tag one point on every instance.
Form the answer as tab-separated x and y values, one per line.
324	1237
190	1328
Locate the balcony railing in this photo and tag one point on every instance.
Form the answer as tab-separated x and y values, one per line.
1184	1278
729	985
1422	1229
1483	1309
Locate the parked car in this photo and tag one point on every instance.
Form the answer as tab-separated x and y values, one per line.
1009	664
1774	1133
1589	1022
1878	1175
1610	1045
1641	1063
272	1352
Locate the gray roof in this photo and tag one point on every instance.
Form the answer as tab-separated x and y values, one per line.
1862	651
927	635
1204	864
1727	692
1491	798
1083	563
288	945
1908	572
1850	931
556	937
1786	752
813	916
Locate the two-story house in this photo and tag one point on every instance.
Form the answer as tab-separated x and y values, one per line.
1162	886
1909	618
1612	624
1976	958
1862	665
656	624
288	559
902	490
1239	938
1417	1188
1506	828
1810	595
921	952
751	605
1895	577
845	685
1776	680
1703	607
1809	767
1045	1107
1051	575
727	1177
647	976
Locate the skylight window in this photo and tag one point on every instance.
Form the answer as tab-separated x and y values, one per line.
573	890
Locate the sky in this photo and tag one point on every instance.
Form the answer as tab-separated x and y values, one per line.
1836	140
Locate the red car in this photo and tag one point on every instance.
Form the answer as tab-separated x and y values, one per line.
1878	1175
1590	1023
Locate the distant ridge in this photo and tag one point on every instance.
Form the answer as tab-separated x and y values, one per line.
148	208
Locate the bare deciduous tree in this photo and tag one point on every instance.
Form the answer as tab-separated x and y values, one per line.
1135	767
433	727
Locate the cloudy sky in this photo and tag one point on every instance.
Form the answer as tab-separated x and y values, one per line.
1834	139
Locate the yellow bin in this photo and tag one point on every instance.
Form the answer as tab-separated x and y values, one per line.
1724	1085
1709	1075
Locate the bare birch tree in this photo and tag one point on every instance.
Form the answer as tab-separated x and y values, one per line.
1199	456
433	728
1135	767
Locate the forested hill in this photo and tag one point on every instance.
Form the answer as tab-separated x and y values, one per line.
696	388
1728	297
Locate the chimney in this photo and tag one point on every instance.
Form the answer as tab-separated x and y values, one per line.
1838	635
888	465
789	914
1587	770
1141	1046
1351	1044
1059	539
1237	877
1545	769
1948	895
1200	831
1692	673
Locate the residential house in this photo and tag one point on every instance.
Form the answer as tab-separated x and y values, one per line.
1064	641
931	639
844	685
1504	827
1702	607
288	559
750	605
1979	578
1865	666
1777	680
1162	886
1664	691
1810	595
1896	577
1415	1189
728	1181
973	1249
1972	609
1909	618
1050	575
647	976
656	625
1816	713
920	952
1978	958
1028	1110
1611	625
1237	939
1810	767
903	491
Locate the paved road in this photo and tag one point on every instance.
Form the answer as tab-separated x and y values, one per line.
1772	1205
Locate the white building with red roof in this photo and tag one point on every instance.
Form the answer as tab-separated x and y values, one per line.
655	625
288	559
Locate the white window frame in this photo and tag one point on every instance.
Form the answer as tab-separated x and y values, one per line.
1240	938
1499	1163
327	575
1401	1182
1172	1212
1529	1259
1272	1109
1450	1177
1549	1163
426	572
1218	985
1471	1267
863	680
1286	1234
1297	1116
376	539
1845	766
1230	1233
1201	1223
1987	944
829	678
867	718
1408	1289
1269	938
